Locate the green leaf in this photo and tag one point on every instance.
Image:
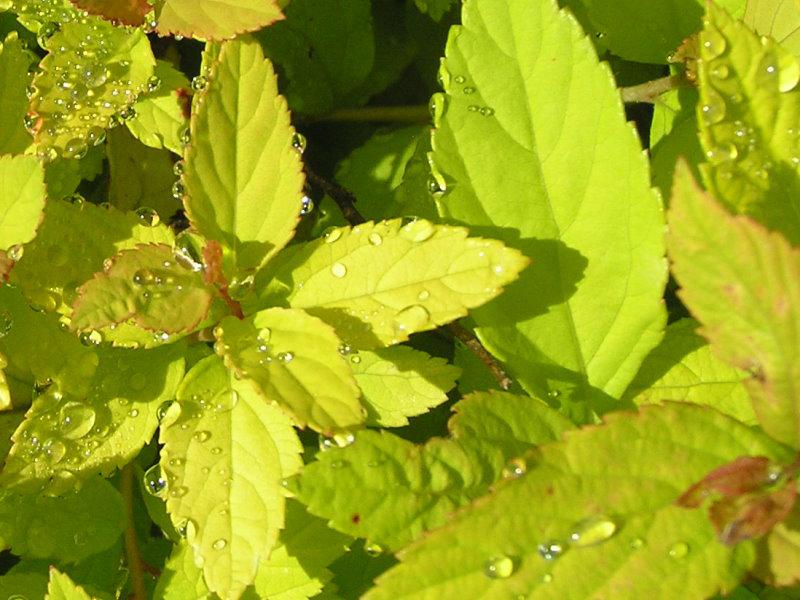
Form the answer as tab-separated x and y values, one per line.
63	175
64	255
602	510
67	528
82	83
27	585
326	48
435	8
160	117
140	175
225	453
219	20
67	436
778	19
390	491
14	63
22	195
741	282
748	112
61	587
243	177
401	382
293	359
145	284
377	283
589	309
684	368
181	578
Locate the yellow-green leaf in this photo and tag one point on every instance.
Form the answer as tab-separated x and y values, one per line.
218	20
22	195
14	63
61	587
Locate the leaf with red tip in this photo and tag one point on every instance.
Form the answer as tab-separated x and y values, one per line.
122	12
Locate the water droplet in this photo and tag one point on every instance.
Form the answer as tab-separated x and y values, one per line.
176	462
515	468
338	270
299	142
713	43
423	295
75	148
185	135
95	76
637	543
468	90
127	114
355	359
375	239
417	230
76	420
306	205
591	531
411	319
679	550
459	79
332	235
178	191
54	450
547	578
339	464
436	106
372	549
720	70
499	567
147	216
179	492
788	73
216	451
219	544
133	413
91	338
285	357
550	550
202	436
345	349
199	83
161	412
154	481
723	153
487	111
713	109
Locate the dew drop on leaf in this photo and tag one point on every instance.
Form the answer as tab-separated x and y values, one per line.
713	43
179	492
499	567
219	544
91	338
338	270
417	230
723	153
679	550
355	359
76	420
299	142
199	83
713	109
591	531
375	239
550	550
372	549
202	436
306	206
339	464
147	216
332	235
161	412
154	481
547	578
515	468
54	450
285	357
133	413
637	543
412	318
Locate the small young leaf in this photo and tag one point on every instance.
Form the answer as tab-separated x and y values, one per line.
384	488
61	587
145	284
293	359
594	517
742	283
243	177
435	8
683	367
22	195
219	20
225	453
400	382
14	63
377	283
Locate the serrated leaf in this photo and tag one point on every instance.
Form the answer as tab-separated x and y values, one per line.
181	578
219	20
145	284
82	83
401	382
61	587
390	491
160	115
684	368
67	437
778	19
782	549
14	63
591	302
326	48
742	283
243	177
63	175
67	528
225	453
140	175
608	505
125	12
748	112
292	359
73	241
377	283
22	196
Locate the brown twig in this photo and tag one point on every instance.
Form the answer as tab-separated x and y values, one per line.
651	90
346	202
134	559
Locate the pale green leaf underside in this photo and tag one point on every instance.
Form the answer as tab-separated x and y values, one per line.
216	19
683	367
779	19
532	141
225	453
243	177
22	196
61	587
742	282
14	63
293	360
377	283
399	490
400	382
658	550
748	125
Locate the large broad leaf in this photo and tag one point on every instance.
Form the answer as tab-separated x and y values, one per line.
561	176
294	360
683	367
225	453
14	63
243	177
748	112
742	283
779	19
594	517
377	283
390	491
22	195
218	20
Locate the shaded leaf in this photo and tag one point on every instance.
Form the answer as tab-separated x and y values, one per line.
14	63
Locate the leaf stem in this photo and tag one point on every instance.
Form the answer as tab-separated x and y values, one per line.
389	114
650	90
346	202
133	558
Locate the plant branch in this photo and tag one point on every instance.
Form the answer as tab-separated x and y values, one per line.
134	559
345	200
650	90
379	114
